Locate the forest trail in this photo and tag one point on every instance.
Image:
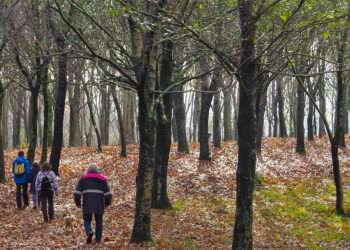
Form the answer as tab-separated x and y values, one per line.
203	202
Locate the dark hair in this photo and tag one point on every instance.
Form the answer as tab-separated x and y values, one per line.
36	165
46	167
21	153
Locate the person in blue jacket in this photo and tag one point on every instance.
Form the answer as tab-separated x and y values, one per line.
21	171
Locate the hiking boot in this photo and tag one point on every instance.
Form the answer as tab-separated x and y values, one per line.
89	238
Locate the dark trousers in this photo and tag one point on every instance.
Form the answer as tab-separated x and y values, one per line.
22	192
99	224
46	200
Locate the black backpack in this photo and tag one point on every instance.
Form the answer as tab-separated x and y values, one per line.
45	184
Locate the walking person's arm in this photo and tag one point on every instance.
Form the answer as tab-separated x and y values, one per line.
54	182
78	192
38	183
107	194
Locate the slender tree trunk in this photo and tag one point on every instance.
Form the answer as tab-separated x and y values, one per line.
204	153
128	101
16	121
275	110
92	119
300	147
310	128
105	111
228	128
34	124
322	97
2	157
236	109
4	119
180	121
217	121
123	152
280	102
260	109
46	114
196	111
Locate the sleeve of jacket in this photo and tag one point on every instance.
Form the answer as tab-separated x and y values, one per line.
107	194
77	193
13	167
54	182
38	182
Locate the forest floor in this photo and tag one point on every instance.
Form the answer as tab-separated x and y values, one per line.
294	202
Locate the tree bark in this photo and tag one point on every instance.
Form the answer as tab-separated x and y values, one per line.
228	119
92	119
47	108
2	157
280	102
217	121
204	151
123	152
247	130
180	121
164	112
300	147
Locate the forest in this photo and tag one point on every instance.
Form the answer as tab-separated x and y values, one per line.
218	124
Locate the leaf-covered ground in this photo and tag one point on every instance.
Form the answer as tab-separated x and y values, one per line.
294	202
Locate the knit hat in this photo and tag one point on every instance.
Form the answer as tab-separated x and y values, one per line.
93	169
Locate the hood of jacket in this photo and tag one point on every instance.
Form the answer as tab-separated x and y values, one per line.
94	176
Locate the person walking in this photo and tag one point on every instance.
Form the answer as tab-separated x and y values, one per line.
46	186
32	178
96	194
21	170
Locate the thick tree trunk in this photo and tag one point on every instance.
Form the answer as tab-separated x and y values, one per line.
147	130
337	176
123	152
196	111
164	111
228	128
247	129
4	119
60	100
217	121
204	150
341	98
300	146
280	102
180	121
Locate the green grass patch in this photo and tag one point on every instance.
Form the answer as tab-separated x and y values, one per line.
305	210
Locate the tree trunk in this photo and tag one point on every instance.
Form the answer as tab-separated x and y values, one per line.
260	109
300	147
92	119
275	110
204	150
4	119
47	108
196	111
2	157
247	129
322	97
180	121
280	102
228	129
147	130
217	121
123	152
105	111
164	111
310	128
16	120
33	123
341	92
128	101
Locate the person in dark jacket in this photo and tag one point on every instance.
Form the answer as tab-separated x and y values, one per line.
32	178
46	185
21	170
96	194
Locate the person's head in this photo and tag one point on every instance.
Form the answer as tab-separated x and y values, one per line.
36	165
21	154
93	169
46	167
